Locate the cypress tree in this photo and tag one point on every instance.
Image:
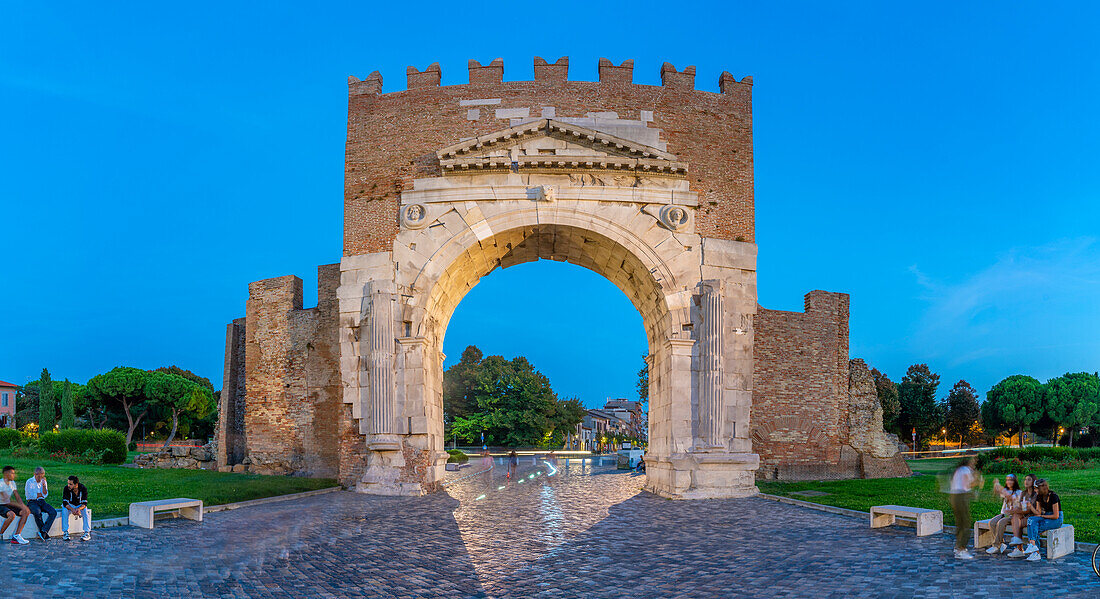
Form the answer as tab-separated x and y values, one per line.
68	416
47	405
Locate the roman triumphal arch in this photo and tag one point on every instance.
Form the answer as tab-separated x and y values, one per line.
509	197
650	186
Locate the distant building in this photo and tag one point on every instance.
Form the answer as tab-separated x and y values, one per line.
7	404
632	414
592	429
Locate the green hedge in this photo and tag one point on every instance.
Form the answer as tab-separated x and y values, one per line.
109	443
1006	459
10	437
457	457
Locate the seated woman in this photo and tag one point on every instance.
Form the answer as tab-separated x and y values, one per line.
1010	493
1021	513
1048	516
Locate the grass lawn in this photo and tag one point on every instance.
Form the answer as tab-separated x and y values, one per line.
111	489
1079	490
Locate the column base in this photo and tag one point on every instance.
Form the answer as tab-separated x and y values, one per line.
384	471
382	480
703	475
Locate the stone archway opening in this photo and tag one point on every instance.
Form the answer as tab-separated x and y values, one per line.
425	312
558	244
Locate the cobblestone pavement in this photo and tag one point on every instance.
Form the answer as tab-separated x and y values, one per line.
587	531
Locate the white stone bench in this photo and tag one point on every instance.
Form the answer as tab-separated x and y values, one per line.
928	521
1059	541
30	530
142	512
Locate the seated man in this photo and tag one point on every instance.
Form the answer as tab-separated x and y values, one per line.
36	492
1048	516
74	501
11	506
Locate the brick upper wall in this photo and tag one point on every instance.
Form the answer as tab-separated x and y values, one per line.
392	137
800	382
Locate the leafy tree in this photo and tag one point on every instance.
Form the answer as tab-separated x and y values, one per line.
459	382
175	395
30	395
917	401
47	405
191	423
187	374
514	405
643	381
567	414
887	391
1013	405
68	416
1072	401
123	386
962	411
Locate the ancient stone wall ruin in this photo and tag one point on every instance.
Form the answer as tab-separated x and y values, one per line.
812	415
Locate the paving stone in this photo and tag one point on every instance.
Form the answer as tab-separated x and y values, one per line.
589	531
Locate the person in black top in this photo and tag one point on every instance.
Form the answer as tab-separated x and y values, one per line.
75	503
1046	515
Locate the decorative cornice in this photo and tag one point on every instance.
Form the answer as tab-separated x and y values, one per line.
623	154
593	193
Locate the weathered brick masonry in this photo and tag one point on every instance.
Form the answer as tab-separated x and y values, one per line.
392	137
800	386
286	408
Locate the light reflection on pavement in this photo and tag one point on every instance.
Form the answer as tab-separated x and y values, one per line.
506	525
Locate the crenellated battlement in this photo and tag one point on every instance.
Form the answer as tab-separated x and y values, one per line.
547	72
394	138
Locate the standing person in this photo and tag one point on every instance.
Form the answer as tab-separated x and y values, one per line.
1047	512
1019	518
513	463
11	506
1011	494
35	492
75	502
963	482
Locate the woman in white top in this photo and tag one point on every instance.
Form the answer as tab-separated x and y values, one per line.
963	482
1011	495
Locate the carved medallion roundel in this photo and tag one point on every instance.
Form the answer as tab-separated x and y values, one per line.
675	217
414	216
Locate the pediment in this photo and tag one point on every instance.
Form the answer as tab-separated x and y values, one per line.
549	144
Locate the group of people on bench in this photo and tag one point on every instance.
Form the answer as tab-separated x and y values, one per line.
1035	506
35	501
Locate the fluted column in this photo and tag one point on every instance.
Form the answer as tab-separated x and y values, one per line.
380	360
710	365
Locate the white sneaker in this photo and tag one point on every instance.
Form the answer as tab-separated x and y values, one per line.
1016	553
963	554
65	537
86	537
19	539
1016	541
1004	548
1031	548
993	550
1034	557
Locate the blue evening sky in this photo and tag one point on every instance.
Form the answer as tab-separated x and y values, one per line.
938	162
